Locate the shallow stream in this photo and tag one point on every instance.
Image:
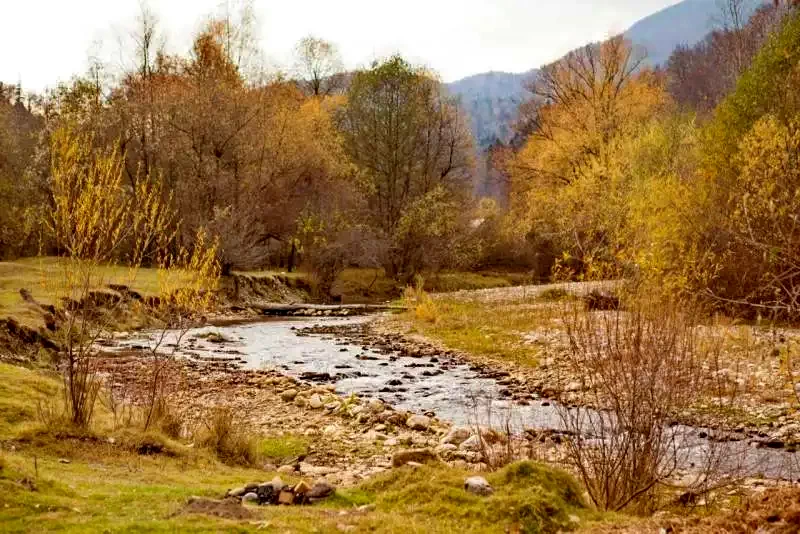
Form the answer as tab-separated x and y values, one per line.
435	385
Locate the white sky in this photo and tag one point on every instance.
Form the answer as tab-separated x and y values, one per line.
46	41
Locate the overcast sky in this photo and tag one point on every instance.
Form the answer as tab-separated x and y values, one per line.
46	41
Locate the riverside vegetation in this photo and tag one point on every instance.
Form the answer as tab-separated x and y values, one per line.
187	190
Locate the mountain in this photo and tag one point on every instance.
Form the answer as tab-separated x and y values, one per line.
687	23
491	99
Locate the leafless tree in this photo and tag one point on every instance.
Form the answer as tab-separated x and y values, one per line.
318	66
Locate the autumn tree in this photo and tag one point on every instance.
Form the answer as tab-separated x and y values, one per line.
318	67
407	138
582	103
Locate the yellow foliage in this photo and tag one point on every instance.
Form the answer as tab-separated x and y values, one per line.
417	299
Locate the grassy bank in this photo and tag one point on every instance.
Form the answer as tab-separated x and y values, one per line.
94	481
496	329
40	276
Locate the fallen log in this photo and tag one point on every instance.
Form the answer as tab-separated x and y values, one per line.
319	310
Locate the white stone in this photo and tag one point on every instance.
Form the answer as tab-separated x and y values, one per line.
250	497
478	486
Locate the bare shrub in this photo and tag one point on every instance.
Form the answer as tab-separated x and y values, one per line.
645	366
492	425
228	438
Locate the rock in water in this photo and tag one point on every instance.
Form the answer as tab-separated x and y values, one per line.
478	486
456	436
414	455
418	422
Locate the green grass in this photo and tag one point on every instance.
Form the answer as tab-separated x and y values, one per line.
282	448
480	328
20	391
528	497
372	285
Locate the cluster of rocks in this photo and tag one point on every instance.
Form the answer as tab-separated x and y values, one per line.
513	386
371	411
278	492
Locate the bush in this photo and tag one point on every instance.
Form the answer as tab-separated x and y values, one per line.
417	299
644	366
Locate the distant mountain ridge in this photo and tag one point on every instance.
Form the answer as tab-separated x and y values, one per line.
491	99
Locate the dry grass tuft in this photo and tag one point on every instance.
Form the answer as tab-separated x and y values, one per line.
229	439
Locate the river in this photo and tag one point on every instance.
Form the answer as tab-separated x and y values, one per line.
434	385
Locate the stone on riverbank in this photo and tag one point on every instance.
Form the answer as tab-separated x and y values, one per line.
289	395
315	402
418	422
420	456
456	436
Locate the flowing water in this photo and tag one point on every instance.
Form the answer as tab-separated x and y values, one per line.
453	392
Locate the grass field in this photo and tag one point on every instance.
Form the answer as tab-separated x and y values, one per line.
372	285
495	329
69	481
